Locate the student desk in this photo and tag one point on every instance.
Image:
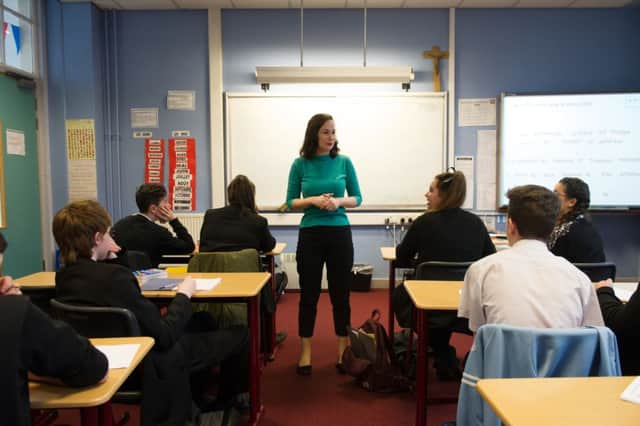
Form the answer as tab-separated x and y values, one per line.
571	401
429	295
271	322
235	286
389	254
93	401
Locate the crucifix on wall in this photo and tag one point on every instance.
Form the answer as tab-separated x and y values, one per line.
435	54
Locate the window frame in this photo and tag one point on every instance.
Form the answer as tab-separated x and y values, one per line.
4	67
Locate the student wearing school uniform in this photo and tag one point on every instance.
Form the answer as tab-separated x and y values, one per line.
527	285
32	342
185	344
624	320
448	233
140	232
237	226
574	237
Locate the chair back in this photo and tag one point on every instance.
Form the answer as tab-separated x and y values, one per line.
442	271
97	321
247	260
598	271
138	260
503	351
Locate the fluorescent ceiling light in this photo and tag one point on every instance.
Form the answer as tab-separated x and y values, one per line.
267	75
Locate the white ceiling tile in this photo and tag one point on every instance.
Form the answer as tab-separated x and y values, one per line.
106	4
261	4
328	4
146	4
431	3
371	4
488	3
543	3
204	4
600	3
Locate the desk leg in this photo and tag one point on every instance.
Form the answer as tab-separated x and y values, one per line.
272	321
254	360
392	285
421	370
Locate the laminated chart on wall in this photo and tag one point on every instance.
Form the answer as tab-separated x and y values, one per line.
154	161
81	157
182	174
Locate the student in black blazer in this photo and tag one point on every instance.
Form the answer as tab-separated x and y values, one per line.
237	226
139	231
574	237
32	342
184	343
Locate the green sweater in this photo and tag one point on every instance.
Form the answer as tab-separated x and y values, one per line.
320	175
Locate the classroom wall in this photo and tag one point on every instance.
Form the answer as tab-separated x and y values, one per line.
496	50
22	192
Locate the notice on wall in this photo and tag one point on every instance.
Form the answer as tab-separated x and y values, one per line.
182	174
181	100
477	112
154	161
15	142
464	164
486	173
145	118
81	157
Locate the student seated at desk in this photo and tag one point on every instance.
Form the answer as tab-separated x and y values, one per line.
237	226
444	233
184	344
32	342
527	285
139	231
624	320
574	237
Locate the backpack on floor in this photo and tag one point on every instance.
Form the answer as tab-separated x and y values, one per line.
370	358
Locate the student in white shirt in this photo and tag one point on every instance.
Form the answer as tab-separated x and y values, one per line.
527	285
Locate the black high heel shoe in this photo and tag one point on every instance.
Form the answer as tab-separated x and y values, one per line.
340	368
303	370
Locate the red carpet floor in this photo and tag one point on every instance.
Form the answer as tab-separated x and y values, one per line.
327	398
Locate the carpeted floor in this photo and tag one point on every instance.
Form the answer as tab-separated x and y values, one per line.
327	398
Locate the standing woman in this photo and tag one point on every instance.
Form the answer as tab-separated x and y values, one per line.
317	183
574	237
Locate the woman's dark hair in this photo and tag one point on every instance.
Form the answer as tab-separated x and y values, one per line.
452	188
578	189
242	192
310	144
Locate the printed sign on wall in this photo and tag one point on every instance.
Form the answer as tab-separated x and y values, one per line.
182	174
154	161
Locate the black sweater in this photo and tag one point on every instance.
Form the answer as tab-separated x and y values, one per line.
231	229
451	235
138	233
624	320
31	341
581	244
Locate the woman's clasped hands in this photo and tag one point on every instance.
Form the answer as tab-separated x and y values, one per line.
326	202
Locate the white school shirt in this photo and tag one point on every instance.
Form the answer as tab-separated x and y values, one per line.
528	286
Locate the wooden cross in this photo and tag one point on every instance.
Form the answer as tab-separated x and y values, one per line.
435	54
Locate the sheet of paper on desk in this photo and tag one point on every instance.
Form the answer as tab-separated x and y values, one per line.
632	392
206	284
119	356
624	291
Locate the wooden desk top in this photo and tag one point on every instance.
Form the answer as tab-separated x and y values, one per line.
38	280
44	395
441	295
233	284
278	249
572	401
388	253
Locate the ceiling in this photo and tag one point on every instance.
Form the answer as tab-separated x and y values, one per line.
339	4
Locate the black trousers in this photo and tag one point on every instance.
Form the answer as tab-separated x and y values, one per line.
333	246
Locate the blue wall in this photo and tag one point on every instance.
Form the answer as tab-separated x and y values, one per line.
150	52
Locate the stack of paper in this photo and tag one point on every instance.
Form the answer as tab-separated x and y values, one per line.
632	392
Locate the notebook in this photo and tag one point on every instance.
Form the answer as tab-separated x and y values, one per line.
154	284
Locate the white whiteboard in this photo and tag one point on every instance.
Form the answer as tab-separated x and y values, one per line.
397	142
595	137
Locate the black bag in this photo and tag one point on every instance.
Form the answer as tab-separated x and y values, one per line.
370	358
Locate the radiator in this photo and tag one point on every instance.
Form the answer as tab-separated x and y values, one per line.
193	223
288	261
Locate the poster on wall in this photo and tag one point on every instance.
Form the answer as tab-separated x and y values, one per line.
81	158
154	161
182	174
